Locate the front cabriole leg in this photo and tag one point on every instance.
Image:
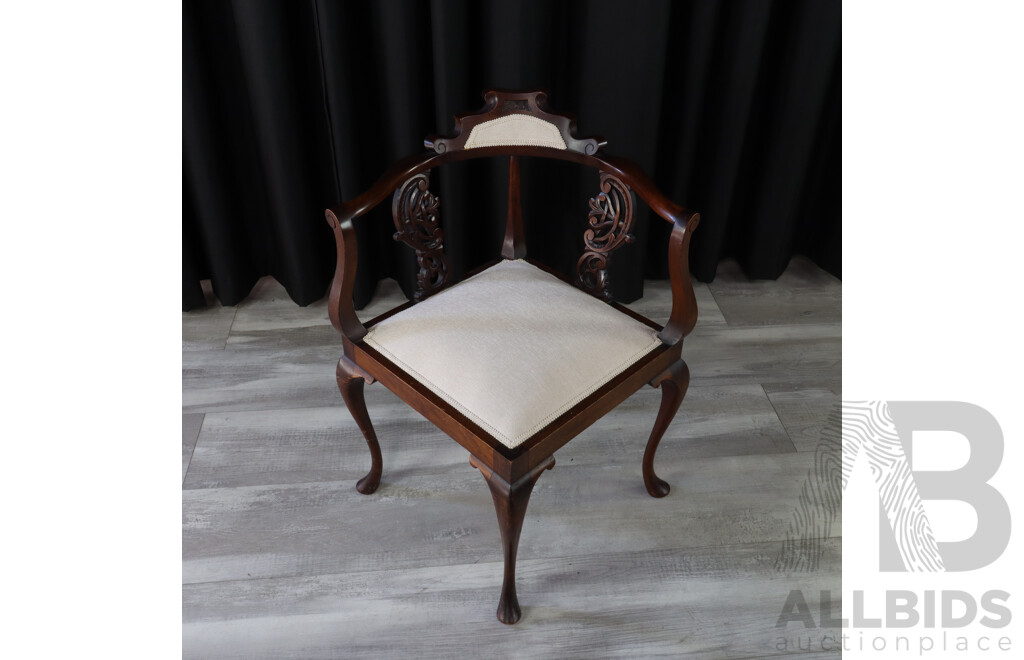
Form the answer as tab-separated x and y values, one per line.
510	502
350	381
673	382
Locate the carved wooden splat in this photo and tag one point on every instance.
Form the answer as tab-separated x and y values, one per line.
610	221
416	212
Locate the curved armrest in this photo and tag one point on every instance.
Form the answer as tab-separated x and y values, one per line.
642	185
684	303
384	186
339	303
340	307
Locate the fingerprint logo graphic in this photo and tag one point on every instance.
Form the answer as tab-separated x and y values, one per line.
819	506
869	429
881	433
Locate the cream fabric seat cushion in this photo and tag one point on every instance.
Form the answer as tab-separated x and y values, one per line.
513	347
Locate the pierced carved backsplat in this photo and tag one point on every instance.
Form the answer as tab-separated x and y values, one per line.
610	221
416	212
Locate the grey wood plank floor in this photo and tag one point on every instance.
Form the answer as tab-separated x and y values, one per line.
282	558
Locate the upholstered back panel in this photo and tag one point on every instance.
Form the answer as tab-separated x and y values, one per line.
515	130
514	119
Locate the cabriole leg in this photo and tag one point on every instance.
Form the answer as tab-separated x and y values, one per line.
510	502
673	382
350	381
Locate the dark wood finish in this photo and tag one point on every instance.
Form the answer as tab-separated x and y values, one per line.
350	381
417	215
673	382
684	306
511	472
611	303
443	415
684	303
510	501
514	246
576	420
512	464
479	269
626	170
609	223
339	301
500	103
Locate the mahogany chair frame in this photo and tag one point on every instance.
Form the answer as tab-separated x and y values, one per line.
512	473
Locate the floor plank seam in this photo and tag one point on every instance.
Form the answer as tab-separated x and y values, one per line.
193	452
498	560
717	304
447	467
782	423
218	411
231	327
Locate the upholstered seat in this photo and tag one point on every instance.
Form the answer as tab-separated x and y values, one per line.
513	347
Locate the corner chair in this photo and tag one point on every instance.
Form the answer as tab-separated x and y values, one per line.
516	359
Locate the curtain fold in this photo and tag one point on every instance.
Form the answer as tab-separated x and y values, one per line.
732	107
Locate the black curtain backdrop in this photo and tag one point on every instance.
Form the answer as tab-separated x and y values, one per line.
733	107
